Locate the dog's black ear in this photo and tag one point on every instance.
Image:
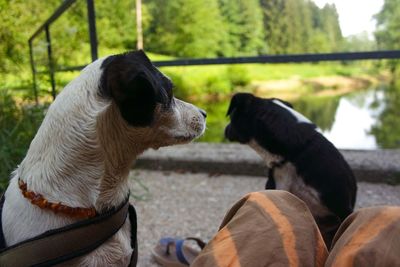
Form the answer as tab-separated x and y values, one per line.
131	82
239	101
136	99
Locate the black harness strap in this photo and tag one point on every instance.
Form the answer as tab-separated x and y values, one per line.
63	244
134	244
271	179
2	240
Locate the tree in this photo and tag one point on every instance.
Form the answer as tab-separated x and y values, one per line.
243	24
330	25
17	27
387	34
359	42
275	26
388	25
188	28
300	26
294	26
387	128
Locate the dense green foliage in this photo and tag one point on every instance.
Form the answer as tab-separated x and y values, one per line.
18	125
388	25
387	130
387	34
197	28
183	28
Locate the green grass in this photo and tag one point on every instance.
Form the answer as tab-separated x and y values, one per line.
266	72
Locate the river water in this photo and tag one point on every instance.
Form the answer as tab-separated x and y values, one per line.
353	119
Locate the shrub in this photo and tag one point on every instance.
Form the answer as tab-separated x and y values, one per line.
181	89
18	125
217	84
238	75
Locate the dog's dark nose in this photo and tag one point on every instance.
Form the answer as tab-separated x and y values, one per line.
203	113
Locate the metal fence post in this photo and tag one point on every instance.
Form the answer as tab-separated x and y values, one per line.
35	93
51	63
92	29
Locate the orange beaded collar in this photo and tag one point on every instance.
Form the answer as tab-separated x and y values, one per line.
41	202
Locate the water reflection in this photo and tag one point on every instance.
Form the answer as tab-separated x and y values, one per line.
320	110
368	119
354	119
387	128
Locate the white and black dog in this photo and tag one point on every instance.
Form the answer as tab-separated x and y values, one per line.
301	160
115	109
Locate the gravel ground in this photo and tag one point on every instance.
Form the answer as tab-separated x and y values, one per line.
185	204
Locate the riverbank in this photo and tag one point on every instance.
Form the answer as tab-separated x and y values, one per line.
325	86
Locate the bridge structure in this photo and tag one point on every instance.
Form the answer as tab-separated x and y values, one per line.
92	31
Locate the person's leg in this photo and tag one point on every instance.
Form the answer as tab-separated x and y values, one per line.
368	237
267	228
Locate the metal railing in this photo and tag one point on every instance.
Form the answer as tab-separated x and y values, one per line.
290	58
46	27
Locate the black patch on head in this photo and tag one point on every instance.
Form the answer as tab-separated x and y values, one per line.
240	112
272	126
136	86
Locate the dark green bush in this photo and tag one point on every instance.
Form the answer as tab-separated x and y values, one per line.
238	75
18	126
217	84
181	89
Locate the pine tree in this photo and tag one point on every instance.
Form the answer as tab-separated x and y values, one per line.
186	28
388	25
275	26
294	26
243	21
331	27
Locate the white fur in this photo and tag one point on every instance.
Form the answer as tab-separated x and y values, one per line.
286	178
300	117
67	162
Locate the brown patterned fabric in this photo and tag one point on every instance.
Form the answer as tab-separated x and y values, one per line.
368	237
268	228
275	228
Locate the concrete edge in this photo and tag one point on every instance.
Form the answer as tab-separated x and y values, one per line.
376	166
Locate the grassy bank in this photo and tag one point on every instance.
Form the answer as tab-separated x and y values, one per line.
199	82
213	81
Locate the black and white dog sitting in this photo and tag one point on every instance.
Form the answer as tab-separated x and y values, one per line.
300	159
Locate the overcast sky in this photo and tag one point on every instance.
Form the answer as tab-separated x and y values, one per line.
355	16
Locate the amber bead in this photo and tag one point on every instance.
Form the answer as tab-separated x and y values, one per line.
41	202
